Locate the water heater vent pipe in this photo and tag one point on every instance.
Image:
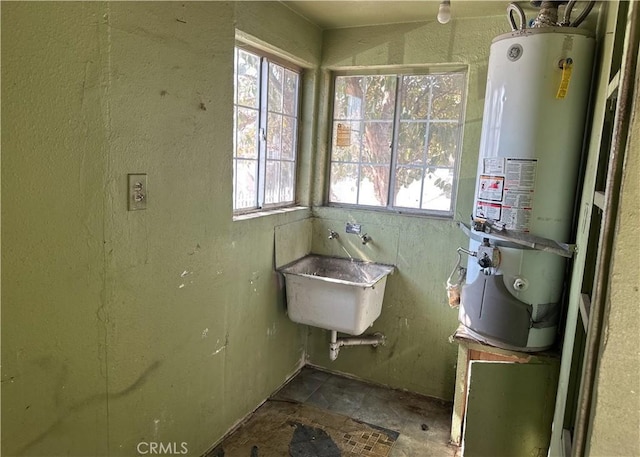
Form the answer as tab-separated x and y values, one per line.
548	15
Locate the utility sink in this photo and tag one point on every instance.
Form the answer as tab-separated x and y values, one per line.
334	293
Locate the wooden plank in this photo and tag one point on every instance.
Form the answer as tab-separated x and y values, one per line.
460	397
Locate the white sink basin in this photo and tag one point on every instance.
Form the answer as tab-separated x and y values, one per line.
335	294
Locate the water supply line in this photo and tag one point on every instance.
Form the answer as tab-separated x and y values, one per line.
454	286
336	343
566	20
514	7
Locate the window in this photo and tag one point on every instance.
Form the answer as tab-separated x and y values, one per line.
396	141
265	115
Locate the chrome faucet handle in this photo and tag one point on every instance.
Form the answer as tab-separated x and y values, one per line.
365	238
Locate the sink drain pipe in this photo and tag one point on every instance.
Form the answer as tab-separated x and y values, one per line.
336	343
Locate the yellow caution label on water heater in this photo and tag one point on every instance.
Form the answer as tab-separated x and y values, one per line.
567	66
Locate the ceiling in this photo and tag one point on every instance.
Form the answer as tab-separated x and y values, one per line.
331	14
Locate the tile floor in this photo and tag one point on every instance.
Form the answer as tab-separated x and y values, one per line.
422	423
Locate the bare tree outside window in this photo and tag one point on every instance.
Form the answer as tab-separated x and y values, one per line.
396	140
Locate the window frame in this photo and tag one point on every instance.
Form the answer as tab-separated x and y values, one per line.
398	72
266	58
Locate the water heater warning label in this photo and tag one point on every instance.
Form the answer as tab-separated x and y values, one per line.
487	210
505	191
491	188
520	174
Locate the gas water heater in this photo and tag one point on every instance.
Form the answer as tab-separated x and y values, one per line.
536	100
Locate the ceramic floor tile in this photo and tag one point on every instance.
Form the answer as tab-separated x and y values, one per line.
349	385
333	397
378	411
317	400
303	385
407	446
427	420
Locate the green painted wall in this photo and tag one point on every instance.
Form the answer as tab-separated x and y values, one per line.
416	317
615	427
158	325
509	408
168	324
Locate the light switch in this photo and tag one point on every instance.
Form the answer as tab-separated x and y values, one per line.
138	194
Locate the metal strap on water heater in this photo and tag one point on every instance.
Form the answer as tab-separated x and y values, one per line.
519	240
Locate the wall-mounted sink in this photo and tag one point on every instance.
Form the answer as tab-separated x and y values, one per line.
335	294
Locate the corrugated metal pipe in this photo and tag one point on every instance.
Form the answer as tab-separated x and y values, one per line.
548	15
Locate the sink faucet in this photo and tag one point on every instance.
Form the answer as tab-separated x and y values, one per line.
333	235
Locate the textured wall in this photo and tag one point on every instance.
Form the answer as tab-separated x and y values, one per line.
615	429
117	326
416	317
54	162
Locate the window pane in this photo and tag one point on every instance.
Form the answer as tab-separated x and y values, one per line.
274	136
280	182
346	141
247	77
380	97
374	185
235	130
411	143
246	190
447	97
436	194
290	93
272	181
408	187
288	138
427	142
415	97
287	181
377	145
247	133
344	183
276	79
349	94
235	78
235	178
265	104
443	139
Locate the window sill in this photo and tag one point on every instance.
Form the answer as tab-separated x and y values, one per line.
391	211
269	212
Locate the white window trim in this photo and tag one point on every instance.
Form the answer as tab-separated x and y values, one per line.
400	71
268	57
